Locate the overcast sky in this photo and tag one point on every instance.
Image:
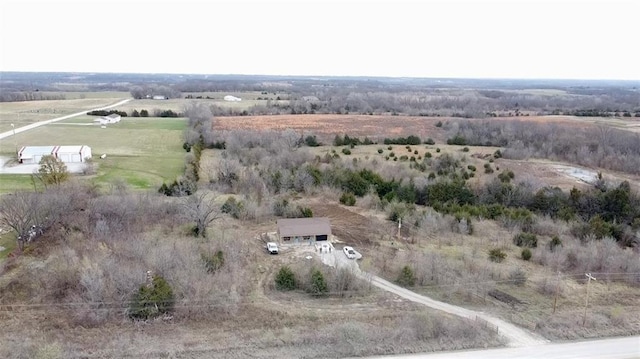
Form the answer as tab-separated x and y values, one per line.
566	39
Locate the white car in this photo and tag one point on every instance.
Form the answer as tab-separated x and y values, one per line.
272	248
349	252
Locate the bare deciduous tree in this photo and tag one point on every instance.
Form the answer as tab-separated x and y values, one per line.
291	139
201	209
22	212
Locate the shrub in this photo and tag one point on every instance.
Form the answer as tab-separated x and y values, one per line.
525	239
390	148
406	277
439	124
465	149
487	168
152	300
317	285
233	207
518	277
526	254
427	155
285	279
346	151
457	140
391	154
497	255
305	212
497	154
555	242
404	158
348	199
213	262
429	141
380	150
311	141
438	149
471	168
415	152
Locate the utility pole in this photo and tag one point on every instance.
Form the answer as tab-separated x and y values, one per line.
586	301
399	225
555	297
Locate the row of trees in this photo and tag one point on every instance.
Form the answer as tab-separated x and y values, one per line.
261	165
593	146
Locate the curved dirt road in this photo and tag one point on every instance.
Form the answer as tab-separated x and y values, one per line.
516	336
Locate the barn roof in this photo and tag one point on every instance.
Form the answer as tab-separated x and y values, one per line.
69	149
30	151
292	227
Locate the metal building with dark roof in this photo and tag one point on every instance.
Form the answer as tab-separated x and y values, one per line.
304	230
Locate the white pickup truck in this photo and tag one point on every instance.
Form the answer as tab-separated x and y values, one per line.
272	248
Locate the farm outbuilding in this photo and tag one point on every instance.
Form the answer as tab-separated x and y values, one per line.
68	154
232	98
304	230
112	118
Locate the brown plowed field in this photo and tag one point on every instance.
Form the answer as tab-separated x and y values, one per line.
327	126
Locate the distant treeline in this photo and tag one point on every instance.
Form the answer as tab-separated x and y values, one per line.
354	141
15	96
107	113
136	113
603	113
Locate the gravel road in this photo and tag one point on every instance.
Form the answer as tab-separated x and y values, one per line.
516	336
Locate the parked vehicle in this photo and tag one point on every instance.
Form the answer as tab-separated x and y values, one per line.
349	252
272	248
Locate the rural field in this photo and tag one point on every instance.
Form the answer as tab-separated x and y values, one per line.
27	112
249	100
140	152
499	213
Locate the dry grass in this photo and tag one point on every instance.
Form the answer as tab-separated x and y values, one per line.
26	112
456	268
327	126
68	298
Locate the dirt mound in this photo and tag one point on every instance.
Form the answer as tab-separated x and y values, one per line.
350	227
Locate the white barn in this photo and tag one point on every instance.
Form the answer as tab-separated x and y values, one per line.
67	154
232	98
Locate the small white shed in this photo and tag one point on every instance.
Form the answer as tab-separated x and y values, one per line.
232	98
112	118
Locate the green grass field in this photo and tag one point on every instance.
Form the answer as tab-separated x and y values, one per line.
141	152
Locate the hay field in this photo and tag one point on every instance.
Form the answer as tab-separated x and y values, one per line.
25	112
377	127
249	99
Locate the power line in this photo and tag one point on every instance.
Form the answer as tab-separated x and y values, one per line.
193	303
